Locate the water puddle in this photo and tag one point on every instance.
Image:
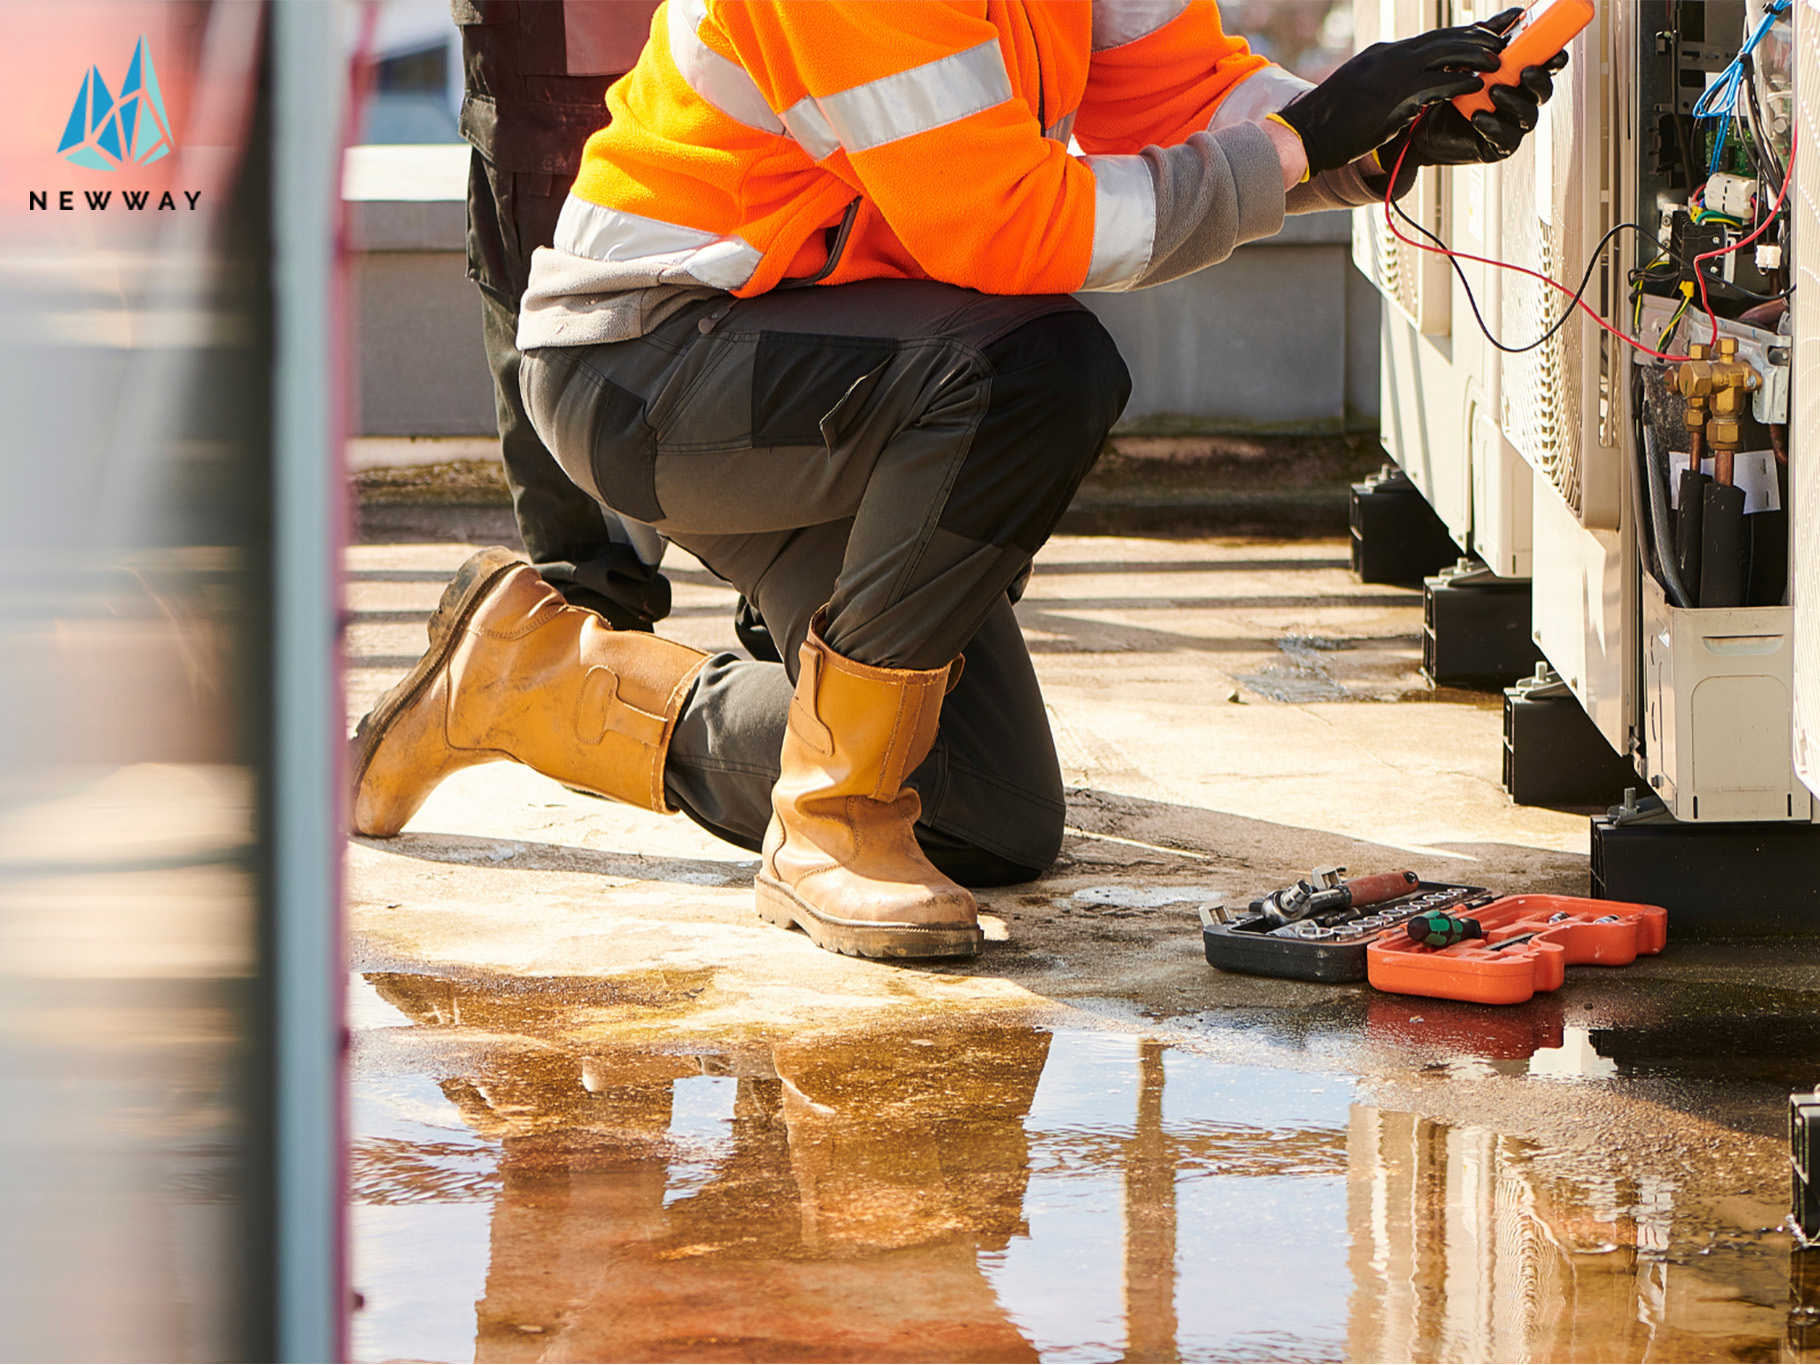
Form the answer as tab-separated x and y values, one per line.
1307	673
1315	668
972	1189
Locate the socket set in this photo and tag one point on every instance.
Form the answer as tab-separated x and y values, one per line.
1309	950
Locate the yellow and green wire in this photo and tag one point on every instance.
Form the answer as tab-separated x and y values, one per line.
1687	298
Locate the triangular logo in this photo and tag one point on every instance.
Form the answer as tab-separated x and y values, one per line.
105	134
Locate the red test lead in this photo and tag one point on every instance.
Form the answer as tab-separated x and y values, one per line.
1577	299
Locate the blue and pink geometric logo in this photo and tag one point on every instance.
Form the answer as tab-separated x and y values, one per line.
105	133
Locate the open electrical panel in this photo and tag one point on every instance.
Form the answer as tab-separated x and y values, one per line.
1715	95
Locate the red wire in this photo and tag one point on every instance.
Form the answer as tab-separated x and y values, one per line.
1580	302
1788	178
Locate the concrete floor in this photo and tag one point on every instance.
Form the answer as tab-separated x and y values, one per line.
602	1112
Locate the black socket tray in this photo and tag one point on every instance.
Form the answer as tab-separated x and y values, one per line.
1248	945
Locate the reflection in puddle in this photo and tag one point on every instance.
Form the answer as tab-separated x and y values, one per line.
1802	1342
701	1132
979	1190
1463	1251
1575	1059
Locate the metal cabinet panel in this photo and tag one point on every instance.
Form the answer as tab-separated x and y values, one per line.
1803	476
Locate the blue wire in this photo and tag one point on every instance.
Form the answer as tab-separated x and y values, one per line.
1720	99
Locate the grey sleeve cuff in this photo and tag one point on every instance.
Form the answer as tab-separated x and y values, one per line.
1214	192
1346	188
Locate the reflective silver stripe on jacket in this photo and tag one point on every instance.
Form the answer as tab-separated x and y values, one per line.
1124	221
1260	94
907	103
806	124
667	249
1063	128
1117	22
722	83
866	116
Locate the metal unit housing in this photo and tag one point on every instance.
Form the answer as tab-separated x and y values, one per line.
1415	281
1717	688
1559	409
1712	704
1440	400
1804	478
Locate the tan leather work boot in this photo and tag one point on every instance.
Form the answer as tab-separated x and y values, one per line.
514	672
841	859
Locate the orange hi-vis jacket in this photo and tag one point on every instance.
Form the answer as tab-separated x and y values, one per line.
759	142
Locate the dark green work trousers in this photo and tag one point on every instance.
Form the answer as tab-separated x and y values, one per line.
893	450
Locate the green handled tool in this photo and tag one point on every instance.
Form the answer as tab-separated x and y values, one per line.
1443	930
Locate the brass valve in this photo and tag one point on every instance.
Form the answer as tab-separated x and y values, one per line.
1724	384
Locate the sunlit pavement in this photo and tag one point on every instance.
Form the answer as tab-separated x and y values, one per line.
602	1112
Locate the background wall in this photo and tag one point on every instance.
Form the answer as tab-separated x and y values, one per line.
1283	337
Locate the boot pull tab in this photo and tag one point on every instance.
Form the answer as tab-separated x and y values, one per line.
803	718
955	670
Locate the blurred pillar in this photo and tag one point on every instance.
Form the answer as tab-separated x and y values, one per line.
169	971
309	85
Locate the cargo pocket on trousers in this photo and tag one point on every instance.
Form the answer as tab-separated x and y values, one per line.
799	382
841	418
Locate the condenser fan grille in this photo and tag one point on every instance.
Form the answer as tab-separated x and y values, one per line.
1402	276
1416	281
1542	398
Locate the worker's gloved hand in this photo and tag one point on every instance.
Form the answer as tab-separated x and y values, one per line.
1443	136
1374	96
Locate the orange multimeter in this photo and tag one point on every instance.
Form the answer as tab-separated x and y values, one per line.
1546	28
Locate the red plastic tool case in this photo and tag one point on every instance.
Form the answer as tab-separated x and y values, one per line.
1474	970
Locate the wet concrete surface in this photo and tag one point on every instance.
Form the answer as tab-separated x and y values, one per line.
602	1113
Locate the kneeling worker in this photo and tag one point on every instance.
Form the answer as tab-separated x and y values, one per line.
808	314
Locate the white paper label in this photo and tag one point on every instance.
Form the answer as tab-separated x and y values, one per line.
1752	470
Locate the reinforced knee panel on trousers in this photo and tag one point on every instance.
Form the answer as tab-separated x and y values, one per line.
1058	385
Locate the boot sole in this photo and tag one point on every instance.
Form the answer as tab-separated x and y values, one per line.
779	905
460	600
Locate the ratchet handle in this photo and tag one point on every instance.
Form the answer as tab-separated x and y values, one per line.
1385	886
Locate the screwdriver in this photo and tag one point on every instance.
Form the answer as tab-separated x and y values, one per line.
1443	930
1553	921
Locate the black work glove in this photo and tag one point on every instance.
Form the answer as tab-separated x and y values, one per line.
1374	96
1443	136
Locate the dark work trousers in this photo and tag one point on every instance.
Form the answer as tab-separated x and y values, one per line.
579	548
894	450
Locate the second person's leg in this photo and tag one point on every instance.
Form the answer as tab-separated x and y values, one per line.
587	552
